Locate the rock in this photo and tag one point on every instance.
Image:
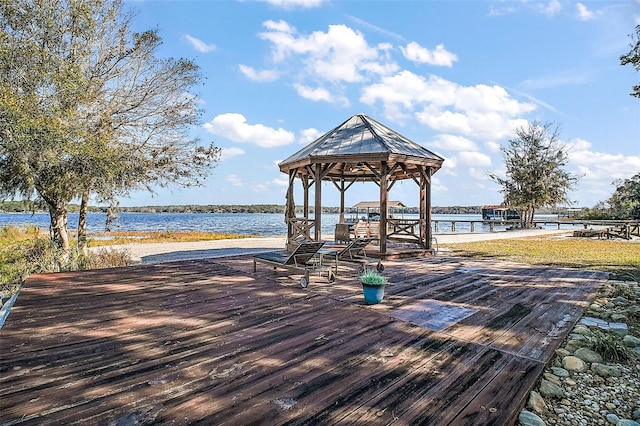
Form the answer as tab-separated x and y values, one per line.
595	307
613	419
550	390
627	422
560	372
587	355
636	414
620	301
553	379
536	403
631	341
619	328
527	418
604	370
570	382
593	322
573	363
618	317
582	329
561	352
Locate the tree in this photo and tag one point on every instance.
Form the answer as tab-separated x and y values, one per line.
535	178
88	109
625	201
633	58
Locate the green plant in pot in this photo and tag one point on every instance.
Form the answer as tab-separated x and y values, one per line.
372	286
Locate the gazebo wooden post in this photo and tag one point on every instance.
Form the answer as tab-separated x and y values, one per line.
384	197
342	191
291	212
305	184
427	219
318	201
425	207
422	203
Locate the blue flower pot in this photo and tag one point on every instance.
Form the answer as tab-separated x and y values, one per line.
372	293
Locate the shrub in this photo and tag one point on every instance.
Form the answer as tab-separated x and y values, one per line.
371	277
610	346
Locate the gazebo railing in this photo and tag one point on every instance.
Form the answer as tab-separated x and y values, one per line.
300	228
404	229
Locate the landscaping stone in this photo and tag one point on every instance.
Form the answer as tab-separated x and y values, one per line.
587	355
527	418
550	389
560	372
536	403
604	370
631	341
573	363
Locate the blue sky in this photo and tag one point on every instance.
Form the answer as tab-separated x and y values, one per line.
455	76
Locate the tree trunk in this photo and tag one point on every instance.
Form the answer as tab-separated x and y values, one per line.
58	228
82	224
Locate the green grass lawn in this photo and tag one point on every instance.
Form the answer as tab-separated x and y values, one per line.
616	256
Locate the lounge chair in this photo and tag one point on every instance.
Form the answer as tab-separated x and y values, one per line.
352	252
303	258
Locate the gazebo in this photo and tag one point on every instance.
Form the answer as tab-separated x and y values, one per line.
362	149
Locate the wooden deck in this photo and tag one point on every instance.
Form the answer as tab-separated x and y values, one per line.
455	342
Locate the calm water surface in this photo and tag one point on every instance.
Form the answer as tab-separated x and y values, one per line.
262	224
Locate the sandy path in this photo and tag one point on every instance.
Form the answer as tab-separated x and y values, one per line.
169	252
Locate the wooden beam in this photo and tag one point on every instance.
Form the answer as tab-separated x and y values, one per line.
384	198
318	202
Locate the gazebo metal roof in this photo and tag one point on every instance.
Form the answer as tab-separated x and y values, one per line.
358	141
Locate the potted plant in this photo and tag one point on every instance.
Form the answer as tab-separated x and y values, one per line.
372	286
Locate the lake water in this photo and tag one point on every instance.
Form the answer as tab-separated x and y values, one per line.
261	224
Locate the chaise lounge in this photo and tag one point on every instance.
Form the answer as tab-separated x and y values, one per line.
302	258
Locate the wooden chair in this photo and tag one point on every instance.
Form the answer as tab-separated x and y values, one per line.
302	258
342	233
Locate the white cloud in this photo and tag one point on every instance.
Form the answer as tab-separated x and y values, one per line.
339	55
234	180
309	135
281	181
596	166
584	14
450	165
481	111
317	94
440	56
493	146
454	143
595	172
228	153
550	9
234	127
474	158
292	4
255	75
200	45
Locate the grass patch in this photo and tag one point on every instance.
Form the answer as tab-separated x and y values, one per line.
617	257
27	250
128	237
610	346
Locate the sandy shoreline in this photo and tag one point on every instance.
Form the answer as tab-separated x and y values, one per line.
170	252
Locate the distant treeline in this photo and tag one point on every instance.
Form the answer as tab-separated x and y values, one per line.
29	207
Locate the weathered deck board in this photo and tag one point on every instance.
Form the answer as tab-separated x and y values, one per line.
210	342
